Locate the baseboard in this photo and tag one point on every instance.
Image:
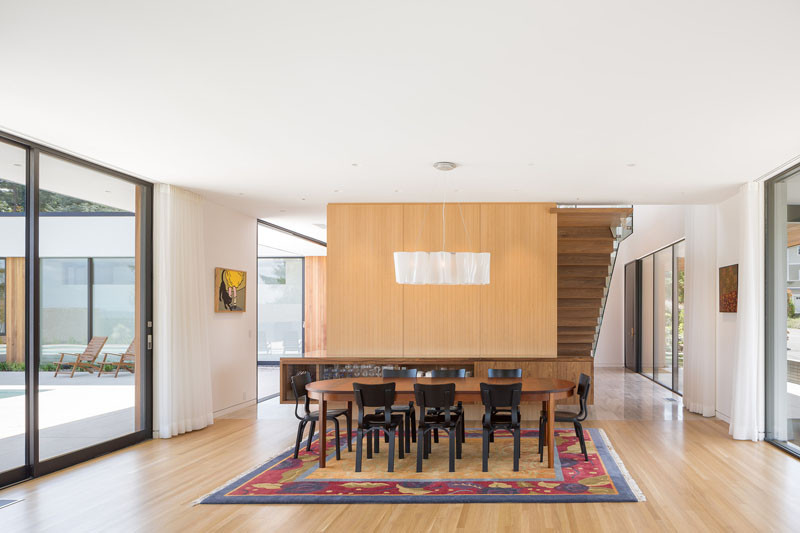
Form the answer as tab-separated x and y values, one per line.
236	407
723	417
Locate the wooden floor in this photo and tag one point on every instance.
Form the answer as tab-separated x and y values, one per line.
694	476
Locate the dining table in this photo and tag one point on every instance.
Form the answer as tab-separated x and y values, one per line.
468	390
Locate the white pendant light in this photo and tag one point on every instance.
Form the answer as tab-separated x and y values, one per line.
442	268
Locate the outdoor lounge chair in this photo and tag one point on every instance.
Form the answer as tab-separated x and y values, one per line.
83	360
126	360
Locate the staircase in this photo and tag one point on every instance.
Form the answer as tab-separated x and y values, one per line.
588	238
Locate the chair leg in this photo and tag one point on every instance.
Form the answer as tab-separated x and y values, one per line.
369	444
581	439
359	446
426	445
392	435
458	442
491	436
338	439
413	424
420	448
516	448
311	434
463	431
408	430
453	435
541	439
377	437
485	454
349	422
401	452
300	428
436	436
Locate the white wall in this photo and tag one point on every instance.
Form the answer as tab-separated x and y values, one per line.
728	228
230	242
654	226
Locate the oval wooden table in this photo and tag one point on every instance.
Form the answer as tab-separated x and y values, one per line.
468	390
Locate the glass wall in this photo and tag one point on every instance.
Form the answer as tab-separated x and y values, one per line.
13	387
783	311
280	307
88	307
662	305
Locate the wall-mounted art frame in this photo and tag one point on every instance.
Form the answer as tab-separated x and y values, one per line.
230	290
729	289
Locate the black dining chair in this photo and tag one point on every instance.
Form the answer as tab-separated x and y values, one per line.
441	399
495	397
449	373
299	382
503	373
407	410
584	384
380	395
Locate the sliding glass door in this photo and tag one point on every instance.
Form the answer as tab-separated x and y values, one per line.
783	311
13	383
75	326
661	286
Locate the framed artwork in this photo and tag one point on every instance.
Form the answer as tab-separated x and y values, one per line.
728	289
230	289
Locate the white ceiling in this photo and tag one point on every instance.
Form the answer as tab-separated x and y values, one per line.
266	105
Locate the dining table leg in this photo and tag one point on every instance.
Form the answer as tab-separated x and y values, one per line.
551	419
323	430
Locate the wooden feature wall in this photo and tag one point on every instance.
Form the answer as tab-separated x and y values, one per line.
369	314
15	310
365	304
315	305
518	307
438	319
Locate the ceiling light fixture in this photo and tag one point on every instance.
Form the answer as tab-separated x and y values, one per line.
443	268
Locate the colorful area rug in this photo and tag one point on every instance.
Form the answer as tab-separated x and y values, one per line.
285	479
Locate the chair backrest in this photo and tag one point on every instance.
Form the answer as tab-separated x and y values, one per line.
398	373
449	373
505	372
435	395
380	395
299	382
93	348
501	395
584	384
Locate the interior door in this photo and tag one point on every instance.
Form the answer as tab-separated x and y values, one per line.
632	303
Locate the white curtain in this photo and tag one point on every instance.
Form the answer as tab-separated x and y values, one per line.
181	358
700	321
747	403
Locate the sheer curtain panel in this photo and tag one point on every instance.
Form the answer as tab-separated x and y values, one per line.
182	367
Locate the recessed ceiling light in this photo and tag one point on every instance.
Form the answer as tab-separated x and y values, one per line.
530	164
17	164
397	190
354	164
444	165
335	190
303	199
630	164
283	210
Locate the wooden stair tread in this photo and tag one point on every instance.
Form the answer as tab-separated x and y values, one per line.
602	233
569	303
584	259
580	292
577	321
578	312
585	246
582	283
582	271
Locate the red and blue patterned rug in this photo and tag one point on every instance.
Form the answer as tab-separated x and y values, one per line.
284	479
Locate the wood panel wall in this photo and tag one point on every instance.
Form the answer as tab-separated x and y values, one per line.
365	304
315	305
369	314
439	319
15	309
